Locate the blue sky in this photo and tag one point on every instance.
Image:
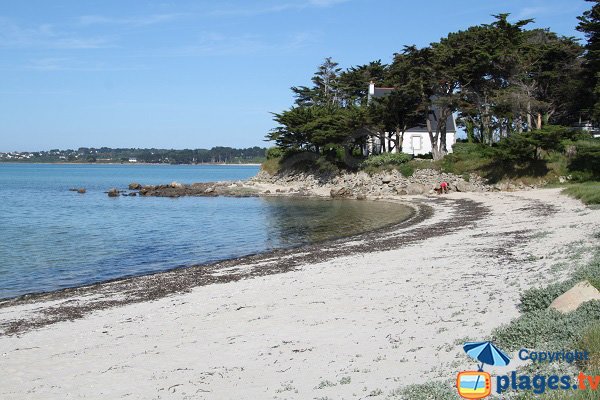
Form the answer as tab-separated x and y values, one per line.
197	74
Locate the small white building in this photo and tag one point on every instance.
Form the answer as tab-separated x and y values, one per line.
416	139
133	160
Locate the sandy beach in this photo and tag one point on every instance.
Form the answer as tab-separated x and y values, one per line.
346	319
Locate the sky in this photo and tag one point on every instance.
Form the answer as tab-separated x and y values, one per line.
197	74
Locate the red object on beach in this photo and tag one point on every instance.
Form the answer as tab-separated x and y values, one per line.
444	185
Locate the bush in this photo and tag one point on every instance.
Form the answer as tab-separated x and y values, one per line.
585	165
274	152
537	299
548	328
425	391
386	159
467	158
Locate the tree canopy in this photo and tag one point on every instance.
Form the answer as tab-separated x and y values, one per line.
499	79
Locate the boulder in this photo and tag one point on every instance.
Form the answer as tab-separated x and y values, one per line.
387	179
462	186
574	297
340	192
81	190
135	186
361	196
113	193
417	188
176	185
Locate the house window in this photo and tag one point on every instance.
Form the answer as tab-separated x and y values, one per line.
415	142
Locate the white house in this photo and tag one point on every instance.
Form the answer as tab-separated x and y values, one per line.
416	139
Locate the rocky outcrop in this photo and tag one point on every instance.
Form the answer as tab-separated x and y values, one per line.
382	184
201	189
113	192
135	186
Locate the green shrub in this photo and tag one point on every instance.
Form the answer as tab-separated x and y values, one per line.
274	152
407	169
585	165
386	159
467	158
536	299
425	391
540	328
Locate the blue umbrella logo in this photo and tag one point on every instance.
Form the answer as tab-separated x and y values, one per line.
486	353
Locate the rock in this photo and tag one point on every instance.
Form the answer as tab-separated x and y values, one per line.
417	188
340	192
81	190
132	194
113	193
387	179
462	186
574	297
176	185
361	196
135	186
267	191
562	179
210	190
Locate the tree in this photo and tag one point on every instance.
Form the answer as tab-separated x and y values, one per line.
325	89
589	24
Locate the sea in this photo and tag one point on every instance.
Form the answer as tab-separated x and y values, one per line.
52	238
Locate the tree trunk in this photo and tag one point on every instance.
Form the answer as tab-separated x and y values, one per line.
538	124
528	115
435	152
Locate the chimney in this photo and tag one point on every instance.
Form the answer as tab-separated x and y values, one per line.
371	89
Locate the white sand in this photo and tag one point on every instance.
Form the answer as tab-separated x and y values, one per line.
378	321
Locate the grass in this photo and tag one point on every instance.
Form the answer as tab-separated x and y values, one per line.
587	192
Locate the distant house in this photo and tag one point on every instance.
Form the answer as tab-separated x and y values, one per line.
416	139
133	160
589	128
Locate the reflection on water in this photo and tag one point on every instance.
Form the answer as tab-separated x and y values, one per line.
294	221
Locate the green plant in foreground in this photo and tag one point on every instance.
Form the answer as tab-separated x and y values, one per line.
425	391
588	192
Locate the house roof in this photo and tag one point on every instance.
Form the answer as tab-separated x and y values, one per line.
433	115
381	92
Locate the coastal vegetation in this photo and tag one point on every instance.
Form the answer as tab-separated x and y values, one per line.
588	192
519	94
215	155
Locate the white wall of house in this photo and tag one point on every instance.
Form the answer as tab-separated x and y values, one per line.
419	143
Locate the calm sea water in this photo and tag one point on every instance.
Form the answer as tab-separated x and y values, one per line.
52	238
